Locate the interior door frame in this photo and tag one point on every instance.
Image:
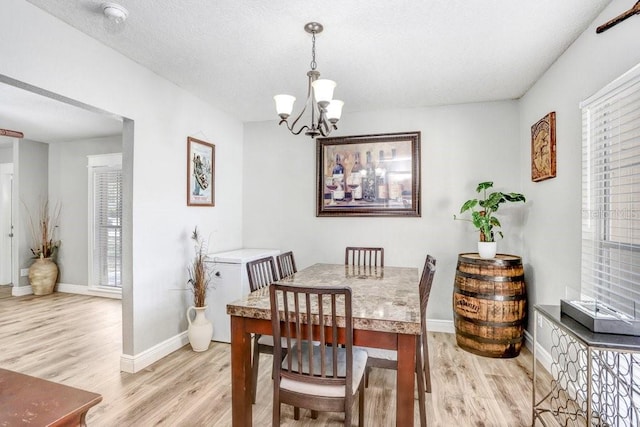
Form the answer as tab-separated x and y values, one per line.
7	232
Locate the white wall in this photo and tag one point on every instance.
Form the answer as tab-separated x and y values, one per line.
68	186
6	154
552	236
461	146
32	173
40	50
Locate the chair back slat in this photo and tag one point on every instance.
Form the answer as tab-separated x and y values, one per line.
286	264
426	281
261	273
297	312
364	256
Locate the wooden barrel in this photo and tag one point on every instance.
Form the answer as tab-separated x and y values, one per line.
489	302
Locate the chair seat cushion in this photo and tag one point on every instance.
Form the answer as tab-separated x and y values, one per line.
359	366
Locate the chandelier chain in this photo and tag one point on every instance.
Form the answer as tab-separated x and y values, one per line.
313	51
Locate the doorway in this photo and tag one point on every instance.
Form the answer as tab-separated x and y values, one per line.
6	223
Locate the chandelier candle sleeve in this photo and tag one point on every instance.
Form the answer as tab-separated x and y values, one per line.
284	105
323	91
334	110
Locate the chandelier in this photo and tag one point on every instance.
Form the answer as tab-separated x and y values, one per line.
319	98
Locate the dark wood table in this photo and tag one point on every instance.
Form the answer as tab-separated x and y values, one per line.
386	314
27	400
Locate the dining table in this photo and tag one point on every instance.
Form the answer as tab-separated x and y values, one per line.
386	315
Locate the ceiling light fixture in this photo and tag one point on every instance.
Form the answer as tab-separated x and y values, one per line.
319	98
115	13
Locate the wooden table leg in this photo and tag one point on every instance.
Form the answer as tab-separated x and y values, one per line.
241	408
405	380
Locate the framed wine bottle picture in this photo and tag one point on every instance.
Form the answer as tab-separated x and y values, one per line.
200	173
369	175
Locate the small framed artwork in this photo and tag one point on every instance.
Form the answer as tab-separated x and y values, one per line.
543	148
201	162
369	175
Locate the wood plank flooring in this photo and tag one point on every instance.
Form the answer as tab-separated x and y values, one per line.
76	340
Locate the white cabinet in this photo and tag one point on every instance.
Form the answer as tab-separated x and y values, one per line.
229	283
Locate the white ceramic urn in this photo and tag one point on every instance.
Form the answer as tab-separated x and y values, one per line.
200	329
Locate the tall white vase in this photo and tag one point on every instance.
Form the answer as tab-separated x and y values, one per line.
200	329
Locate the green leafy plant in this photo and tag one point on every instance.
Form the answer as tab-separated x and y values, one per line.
199	275
483	210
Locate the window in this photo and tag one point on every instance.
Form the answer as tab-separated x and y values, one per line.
105	221
611	234
611	195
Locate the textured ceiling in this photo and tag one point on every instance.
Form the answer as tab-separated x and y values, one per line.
237	54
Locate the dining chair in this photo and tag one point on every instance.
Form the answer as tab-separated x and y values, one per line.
286	264
261	273
388	359
362	256
316	373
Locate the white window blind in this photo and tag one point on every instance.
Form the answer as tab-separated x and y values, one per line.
611	195
106	221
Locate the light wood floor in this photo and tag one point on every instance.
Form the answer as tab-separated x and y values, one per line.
76	340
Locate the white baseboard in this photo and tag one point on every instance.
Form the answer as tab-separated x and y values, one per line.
446	326
136	363
19	291
85	290
542	355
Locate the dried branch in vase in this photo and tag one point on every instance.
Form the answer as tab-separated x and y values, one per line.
43	228
199	275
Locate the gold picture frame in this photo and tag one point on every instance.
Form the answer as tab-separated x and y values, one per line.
369	175
201	162
543	148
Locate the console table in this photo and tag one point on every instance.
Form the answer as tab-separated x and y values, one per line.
29	400
595	377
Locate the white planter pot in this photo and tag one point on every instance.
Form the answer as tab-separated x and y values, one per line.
200	329
487	250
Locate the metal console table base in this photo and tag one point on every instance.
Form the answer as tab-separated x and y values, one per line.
595	377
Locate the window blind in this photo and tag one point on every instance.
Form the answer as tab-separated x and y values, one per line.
107	222
611	195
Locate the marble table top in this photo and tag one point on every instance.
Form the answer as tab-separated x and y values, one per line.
383	299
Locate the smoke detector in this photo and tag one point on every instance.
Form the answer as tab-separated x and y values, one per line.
114	12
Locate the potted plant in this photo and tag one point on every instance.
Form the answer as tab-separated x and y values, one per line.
200	329
43	273
482	216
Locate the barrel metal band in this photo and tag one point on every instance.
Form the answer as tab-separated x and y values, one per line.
516	261
491	297
489	340
486	278
518	322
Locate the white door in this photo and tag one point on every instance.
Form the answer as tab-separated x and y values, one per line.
6	222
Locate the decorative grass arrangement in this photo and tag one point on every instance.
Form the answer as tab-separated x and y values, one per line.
199	275
43	228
